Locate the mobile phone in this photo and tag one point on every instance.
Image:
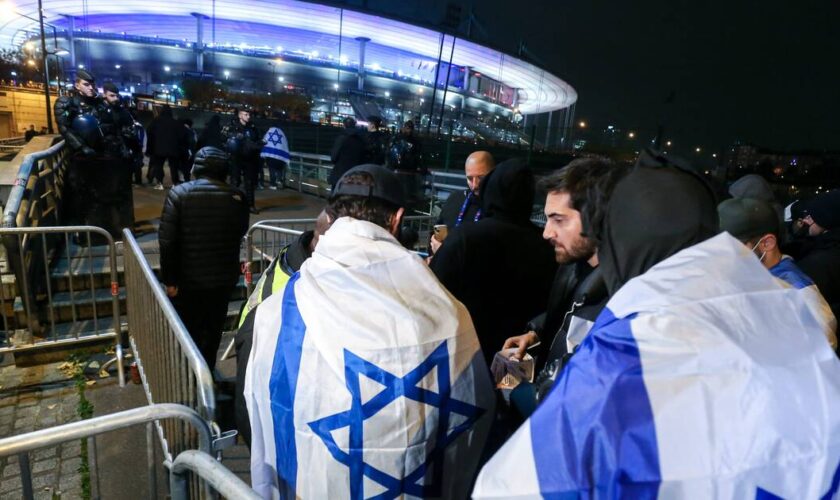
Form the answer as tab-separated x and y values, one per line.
440	232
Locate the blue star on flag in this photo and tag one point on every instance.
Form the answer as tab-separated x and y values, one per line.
395	387
274	137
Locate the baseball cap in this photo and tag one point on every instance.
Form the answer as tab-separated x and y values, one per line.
746	218
386	186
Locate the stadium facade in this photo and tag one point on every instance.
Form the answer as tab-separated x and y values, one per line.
351	62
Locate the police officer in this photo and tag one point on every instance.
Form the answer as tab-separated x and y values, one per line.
97	155
121	133
244	144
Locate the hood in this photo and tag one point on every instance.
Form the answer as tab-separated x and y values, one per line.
507	192
752	186
653	213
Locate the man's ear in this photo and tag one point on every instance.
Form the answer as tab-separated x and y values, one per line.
396	221
770	242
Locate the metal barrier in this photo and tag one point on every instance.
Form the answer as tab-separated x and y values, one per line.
211	471
171	368
12	144
35	198
67	296
23	444
309	173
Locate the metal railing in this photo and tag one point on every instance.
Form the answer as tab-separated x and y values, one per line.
309	173
216	476
35	198
73	289
172	369
22	444
12	144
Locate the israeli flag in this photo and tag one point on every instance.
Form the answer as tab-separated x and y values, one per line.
790	274
365	378
276	146
703	378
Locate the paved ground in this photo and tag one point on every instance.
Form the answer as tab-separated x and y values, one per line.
36	398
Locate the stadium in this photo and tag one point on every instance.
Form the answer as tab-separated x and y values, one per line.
347	61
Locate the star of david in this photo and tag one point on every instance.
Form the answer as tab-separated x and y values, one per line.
395	387
274	137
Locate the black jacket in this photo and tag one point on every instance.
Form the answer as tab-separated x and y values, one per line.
166	137
201	227
821	263
377	147
243	142
211	135
349	150
68	108
452	208
500	267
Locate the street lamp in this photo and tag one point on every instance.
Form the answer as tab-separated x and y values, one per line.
582	124
668	143
631	135
697	150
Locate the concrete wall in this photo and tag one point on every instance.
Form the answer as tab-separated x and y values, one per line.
20	108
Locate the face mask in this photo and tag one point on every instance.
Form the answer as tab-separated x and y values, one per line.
761	258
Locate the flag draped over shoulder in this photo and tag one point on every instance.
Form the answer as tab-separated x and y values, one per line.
365	378
276	146
703	378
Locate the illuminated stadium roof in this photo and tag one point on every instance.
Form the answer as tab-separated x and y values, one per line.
285	26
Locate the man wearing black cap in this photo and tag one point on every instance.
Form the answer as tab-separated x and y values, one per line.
365	333
347	151
244	144
821	258
201	227
377	141
98	152
756	224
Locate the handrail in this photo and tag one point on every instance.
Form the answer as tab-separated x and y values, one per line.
51	436
204	380
210	470
19	189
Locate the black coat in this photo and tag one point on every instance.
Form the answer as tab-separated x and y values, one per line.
452	207
500	267
349	150
821	263
201	227
166	137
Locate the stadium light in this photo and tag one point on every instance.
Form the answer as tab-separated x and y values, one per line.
280	78
335	86
387	94
166	68
117	66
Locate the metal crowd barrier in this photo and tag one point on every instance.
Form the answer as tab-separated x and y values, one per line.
35	198
216	476
12	144
78	297
172	369
22	444
309	173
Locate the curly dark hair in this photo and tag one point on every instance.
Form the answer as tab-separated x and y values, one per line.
365	208
590	183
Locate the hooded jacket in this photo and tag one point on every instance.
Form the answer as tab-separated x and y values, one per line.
201	227
683	387
347	152
500	267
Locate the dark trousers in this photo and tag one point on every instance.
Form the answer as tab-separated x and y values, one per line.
276	171
250	173
203	313
156	168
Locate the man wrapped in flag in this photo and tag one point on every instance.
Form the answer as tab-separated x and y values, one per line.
365	377
704	377
275	152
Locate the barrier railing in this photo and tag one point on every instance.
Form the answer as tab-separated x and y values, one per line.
12	144
309	173
172	369
35	199
76	300
211	471
22	444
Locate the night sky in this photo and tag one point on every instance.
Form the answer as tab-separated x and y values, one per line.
762	72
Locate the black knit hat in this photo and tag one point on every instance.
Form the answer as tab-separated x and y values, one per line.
386	186
747	218
825	209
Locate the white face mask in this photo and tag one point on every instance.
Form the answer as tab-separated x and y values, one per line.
760	259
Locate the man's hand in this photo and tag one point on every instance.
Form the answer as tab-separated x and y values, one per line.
521	343
171	291
87	151
434	244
